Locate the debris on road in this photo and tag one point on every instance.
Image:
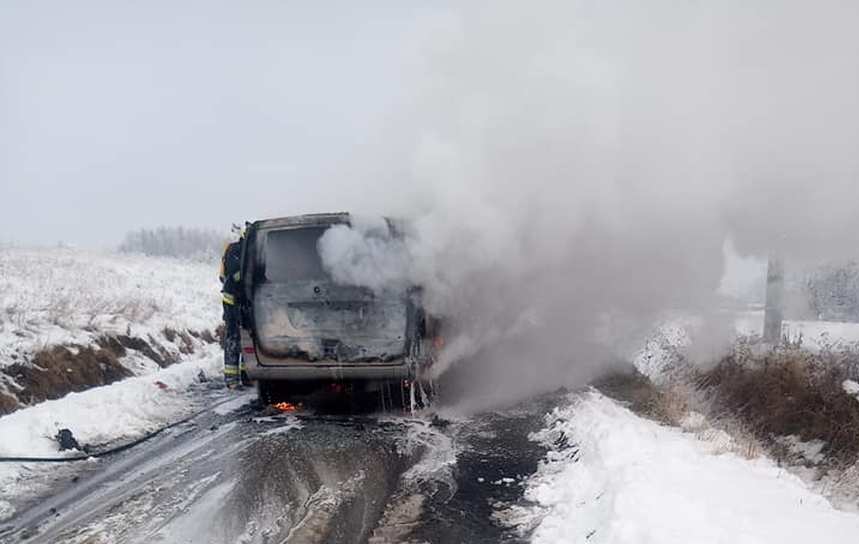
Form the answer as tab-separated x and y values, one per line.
67	440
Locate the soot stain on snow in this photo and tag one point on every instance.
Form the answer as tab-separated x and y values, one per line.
496	458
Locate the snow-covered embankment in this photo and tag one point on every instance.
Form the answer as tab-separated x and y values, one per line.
74	319
612	477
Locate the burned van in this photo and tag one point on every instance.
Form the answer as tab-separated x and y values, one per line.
302	330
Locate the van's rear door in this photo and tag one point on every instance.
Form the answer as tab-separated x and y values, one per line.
301	315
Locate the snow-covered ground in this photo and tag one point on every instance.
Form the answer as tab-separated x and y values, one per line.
815	335
135	405
612	477
119	412
70	296
609	477
693	336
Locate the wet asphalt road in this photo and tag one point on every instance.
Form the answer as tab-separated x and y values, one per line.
240	476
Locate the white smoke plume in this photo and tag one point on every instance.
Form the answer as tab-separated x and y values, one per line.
570	170
366	253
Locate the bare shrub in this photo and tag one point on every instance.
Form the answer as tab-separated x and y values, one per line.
729	434
8	404
790	392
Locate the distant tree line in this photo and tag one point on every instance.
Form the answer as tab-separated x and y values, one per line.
181	242
833	292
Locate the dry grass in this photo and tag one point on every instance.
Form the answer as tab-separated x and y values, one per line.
57	371
146	346
664	404
753	401
182	339
677	403
8	404
789	392
208	336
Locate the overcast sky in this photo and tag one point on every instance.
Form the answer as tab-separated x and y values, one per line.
737	119
116	115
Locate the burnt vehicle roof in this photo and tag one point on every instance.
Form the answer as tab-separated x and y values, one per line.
306	220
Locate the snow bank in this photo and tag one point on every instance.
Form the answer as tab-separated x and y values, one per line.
128	408
613	478
66	296
122	411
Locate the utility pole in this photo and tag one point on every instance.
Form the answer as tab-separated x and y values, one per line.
774	311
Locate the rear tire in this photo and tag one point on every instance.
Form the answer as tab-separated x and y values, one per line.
265	392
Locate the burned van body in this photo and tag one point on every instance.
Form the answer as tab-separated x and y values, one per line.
301	328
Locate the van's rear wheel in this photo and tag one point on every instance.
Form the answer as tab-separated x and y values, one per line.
265	391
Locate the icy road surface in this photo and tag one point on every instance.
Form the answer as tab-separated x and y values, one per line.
232	475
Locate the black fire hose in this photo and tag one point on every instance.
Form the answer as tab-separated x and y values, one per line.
111	451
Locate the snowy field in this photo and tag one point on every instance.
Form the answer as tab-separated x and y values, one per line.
691	336
814	335
66	296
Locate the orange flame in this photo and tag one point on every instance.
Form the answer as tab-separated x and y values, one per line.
286	407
